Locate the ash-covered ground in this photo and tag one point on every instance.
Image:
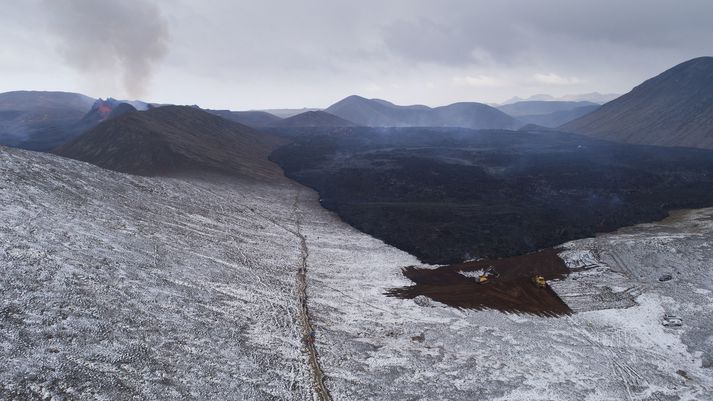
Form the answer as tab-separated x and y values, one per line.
613	347
121	287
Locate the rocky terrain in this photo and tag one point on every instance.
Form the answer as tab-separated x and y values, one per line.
224	239
448	195
209	275
118	286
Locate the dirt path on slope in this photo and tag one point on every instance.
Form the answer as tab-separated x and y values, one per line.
304	317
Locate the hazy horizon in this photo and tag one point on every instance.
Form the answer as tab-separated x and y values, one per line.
271	55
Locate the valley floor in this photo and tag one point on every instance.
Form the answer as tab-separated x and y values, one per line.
121	287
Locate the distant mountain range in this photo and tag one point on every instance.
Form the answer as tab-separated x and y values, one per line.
535	107
39	120
253	118
285	113
45	120
173	139
549	114
594	97
380	113
557	118
314	119
674	108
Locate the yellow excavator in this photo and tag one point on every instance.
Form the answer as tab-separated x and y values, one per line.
485	277
539	281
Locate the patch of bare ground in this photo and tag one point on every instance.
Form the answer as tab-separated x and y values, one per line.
509	287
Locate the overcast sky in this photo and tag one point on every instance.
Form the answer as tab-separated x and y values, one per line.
267	54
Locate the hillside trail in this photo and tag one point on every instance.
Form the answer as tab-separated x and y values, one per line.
304	317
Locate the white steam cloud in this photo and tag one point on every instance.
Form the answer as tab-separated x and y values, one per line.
110	41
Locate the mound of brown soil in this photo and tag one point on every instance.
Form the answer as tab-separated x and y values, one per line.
509	289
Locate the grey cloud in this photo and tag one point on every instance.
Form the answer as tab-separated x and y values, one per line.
426	40
506	32
274	53
650	23
109	38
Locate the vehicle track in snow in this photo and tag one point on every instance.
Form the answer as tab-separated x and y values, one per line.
316	370
304	320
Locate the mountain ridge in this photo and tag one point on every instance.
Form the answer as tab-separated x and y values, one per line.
38	120
172	139
316	118
674	108
594	97
252	118
381	113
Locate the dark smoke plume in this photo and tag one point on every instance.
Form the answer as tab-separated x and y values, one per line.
110	40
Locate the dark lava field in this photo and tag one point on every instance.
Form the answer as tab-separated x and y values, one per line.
449	195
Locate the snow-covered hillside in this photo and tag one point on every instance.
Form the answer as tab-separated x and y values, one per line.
613	348
115	286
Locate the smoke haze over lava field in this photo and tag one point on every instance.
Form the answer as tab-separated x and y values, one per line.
324	200
448	195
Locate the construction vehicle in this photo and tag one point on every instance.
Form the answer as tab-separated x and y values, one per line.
539	281
487	274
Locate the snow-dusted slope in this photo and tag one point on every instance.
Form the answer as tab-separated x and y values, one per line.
116	286
384	348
